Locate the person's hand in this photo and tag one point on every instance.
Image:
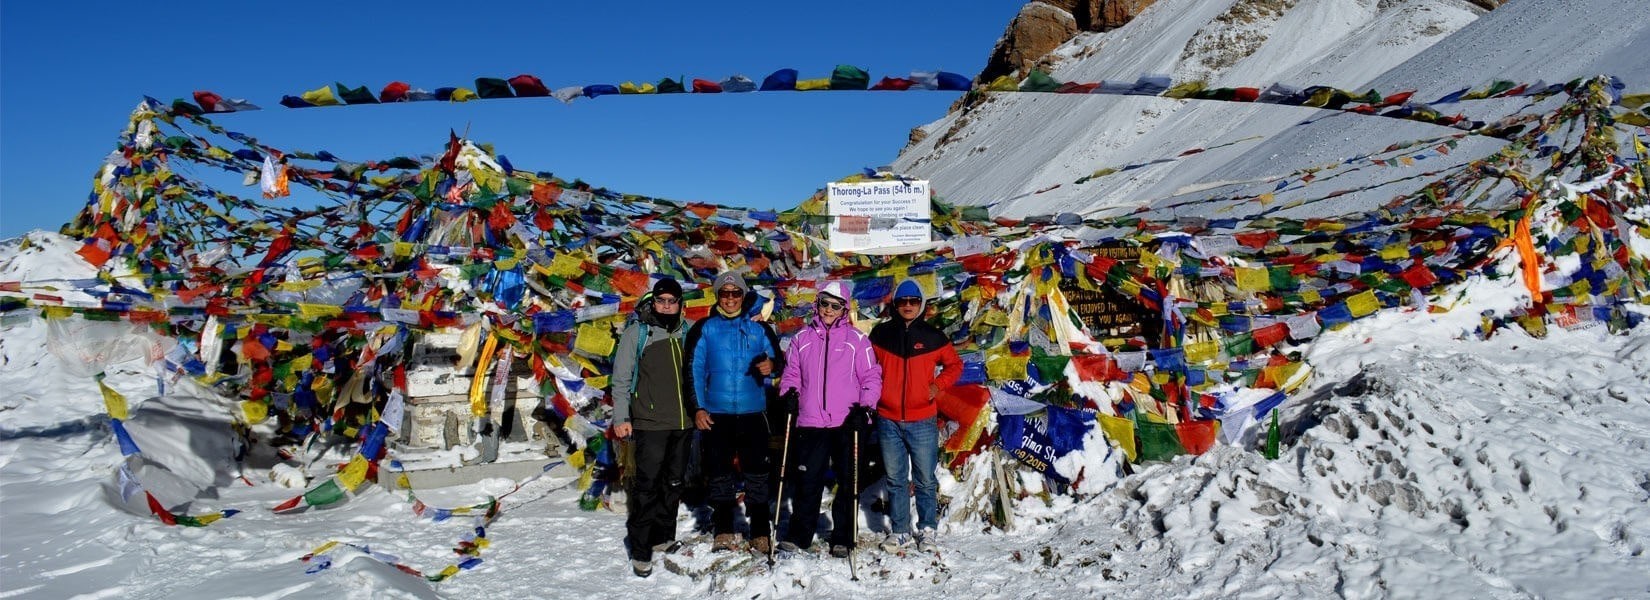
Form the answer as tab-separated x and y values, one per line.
933	390
860	419
702	420
792	399
764	367
622	430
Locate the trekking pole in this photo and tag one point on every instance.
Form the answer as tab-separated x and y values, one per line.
779	496
853	519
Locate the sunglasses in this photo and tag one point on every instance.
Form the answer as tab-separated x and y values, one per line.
730	294
832	304
908	302
667	300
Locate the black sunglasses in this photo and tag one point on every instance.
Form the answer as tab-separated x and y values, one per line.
666	300
907	301
832	304
730	294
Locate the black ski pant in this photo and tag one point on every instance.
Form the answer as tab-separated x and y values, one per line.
655	489
820	456
745	438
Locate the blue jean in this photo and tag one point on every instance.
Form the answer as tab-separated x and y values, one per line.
911	451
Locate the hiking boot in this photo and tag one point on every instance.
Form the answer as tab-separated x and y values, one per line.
761	545
641	568
789	548
896	542
839	551
667	547
725	542
925	541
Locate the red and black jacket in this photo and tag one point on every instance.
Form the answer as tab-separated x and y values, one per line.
910	353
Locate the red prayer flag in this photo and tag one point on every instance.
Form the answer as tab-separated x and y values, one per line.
1269	335
396	91
528	86
1196	437
208	100
1419	276
160	511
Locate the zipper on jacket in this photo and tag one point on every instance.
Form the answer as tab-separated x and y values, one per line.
676	361
824	375
905	370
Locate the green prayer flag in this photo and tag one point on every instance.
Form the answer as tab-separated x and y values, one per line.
849	77
493	87
1281	278
356	95
1238	346
324	494
1158	441
1039	81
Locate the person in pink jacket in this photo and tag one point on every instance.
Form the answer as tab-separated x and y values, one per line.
833	381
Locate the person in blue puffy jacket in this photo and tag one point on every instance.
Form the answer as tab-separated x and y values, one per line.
733	359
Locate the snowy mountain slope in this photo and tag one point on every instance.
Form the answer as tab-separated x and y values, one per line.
1525	41
1012	145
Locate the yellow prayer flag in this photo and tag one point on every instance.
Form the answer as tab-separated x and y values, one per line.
1121	432
1395	252
1150	262
600	382
1253	279
1311	296
1363	304
254	411
113	402
321	96
478	382
354	474
1218	309
594	339
1202	352
464	95
56	312
318	311
808	85
1004	83
1006	367
567	265
930	284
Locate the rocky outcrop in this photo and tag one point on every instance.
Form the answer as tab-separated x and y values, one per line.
1036	31
1044	25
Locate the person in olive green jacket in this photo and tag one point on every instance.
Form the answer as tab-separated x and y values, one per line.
650	408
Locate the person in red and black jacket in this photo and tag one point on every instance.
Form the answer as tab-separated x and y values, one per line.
911	351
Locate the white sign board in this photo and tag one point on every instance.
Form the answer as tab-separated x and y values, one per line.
878	214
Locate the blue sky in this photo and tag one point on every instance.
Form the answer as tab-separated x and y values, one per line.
71	72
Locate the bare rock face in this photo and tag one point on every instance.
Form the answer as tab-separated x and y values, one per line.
1043	25
1102	15
1036	31
1488	4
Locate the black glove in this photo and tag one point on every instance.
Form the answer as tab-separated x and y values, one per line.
789	401
861	419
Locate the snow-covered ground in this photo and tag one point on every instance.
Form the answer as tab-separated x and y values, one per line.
1422	463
